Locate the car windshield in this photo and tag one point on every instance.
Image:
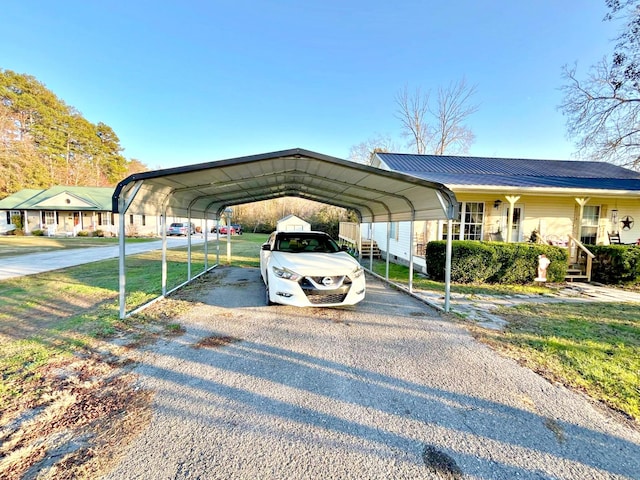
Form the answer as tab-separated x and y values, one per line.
176	225
300	242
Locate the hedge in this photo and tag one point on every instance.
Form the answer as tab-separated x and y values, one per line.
616	264
494	262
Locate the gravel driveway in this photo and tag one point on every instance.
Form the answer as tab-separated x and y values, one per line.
386	389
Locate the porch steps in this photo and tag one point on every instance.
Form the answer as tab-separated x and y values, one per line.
575	274
368	246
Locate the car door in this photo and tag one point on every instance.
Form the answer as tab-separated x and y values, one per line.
265	255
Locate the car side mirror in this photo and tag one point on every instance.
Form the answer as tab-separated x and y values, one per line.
266	246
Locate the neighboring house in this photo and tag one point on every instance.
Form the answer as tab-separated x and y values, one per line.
508	199
63	210
291	223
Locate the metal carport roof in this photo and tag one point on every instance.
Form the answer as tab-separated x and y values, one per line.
204	190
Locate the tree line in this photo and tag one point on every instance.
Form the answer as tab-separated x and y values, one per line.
45	142
262	217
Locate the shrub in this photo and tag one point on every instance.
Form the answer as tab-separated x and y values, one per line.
98	233
17	221
83	233
37	232
495	262
616	264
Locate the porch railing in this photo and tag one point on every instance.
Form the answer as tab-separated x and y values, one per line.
577	251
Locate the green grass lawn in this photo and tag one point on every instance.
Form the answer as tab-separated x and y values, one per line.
51	315
594	347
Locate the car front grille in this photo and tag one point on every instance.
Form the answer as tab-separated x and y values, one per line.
320	296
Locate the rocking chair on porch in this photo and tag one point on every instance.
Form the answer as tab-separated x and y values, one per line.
614	239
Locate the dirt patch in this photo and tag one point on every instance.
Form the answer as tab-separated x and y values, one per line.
88	410
76	414
216	341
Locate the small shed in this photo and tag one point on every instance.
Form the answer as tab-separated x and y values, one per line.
292	223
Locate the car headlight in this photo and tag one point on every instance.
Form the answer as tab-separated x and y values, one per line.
286	274
357	273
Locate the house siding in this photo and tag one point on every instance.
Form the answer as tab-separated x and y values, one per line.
553	218
399	247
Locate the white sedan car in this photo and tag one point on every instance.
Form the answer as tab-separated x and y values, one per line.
309	269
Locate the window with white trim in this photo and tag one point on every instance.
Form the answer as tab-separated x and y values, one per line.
49	218
589	226
393	230
468	225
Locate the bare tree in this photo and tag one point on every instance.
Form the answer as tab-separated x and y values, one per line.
454	107
363	152
440	128
603	110
412	112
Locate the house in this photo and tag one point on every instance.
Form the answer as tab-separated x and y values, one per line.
512	200
62	210
292	223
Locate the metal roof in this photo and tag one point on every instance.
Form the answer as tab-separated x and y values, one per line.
514	172
204	190
95	198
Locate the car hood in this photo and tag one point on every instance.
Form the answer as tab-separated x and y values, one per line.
315	264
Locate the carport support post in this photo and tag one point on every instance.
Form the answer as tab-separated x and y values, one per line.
218	239
447	266
411	240
371	247
122	279
386	275
189	245
163	220
206	243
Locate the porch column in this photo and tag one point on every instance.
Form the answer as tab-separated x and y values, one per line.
512	199
577	231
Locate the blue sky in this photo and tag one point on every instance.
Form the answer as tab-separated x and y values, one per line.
184	82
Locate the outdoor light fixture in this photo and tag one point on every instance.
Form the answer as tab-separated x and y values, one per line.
497	203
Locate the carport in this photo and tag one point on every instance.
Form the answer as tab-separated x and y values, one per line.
204	191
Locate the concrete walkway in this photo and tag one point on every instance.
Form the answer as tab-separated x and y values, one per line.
480	308
32	263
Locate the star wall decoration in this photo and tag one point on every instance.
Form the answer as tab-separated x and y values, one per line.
627	222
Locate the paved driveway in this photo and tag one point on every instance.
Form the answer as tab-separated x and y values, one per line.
383	390
29	264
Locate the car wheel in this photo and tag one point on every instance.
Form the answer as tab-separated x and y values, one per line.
267	299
